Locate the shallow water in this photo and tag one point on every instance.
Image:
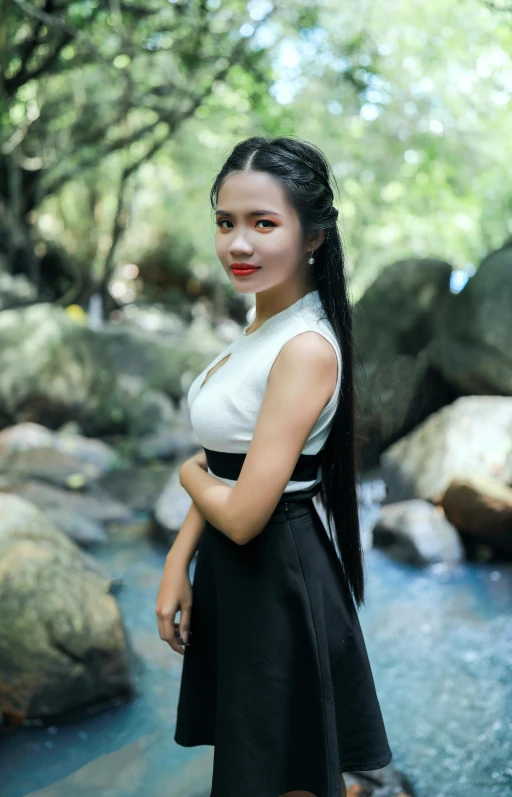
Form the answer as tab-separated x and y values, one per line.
440	645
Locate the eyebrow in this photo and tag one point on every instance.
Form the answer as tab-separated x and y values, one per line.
253	213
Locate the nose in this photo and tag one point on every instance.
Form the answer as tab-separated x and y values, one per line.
239	245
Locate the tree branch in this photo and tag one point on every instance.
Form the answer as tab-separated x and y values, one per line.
29	45
23	76
119	225
172	118
68	34
47	19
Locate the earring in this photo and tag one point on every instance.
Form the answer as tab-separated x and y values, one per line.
311	259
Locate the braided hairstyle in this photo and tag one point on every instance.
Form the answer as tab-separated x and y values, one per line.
304	173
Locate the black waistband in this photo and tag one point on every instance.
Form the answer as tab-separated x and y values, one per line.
228	466
295	496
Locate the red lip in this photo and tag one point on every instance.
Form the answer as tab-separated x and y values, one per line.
242	265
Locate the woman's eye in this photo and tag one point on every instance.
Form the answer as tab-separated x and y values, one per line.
265	221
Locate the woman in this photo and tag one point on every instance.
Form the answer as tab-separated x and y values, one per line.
275	671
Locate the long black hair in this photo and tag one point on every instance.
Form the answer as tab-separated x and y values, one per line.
304	172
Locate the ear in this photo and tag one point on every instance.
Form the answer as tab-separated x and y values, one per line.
316	240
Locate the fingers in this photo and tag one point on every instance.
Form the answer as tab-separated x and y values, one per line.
167	633
171	632
167	629
179	634
185	623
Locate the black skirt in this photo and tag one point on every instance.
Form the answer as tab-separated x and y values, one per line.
277	676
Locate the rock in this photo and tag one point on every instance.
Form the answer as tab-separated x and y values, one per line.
80	515
385	782
88	450
80	528
175	443
481	508
151	317
50	465
469	437
396	314
167	363
16	290
30	450
152	411
135	773
97	567
133	769
506	475
54	369
24	437
137	487
159	430
472	345
62	641
171	508
30	454
416	532
392	398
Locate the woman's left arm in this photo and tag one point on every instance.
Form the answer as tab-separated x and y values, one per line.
210	494
300	384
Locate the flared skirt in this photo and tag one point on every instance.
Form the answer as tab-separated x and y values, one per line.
277	676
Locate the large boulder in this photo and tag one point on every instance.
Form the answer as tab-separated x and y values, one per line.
391	399
472	347
60	472
167	443
396	387
54	369
471	436
63	644
16	290
481	508
153	412
49	465
137	486
166	362
418	533
28	437
83	516
396	314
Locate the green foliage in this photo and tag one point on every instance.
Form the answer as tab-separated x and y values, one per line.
114	122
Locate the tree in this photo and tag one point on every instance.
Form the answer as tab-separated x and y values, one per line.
91	80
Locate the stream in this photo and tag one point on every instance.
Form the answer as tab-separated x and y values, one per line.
440	644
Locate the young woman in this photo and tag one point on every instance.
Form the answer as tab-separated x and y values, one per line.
275	671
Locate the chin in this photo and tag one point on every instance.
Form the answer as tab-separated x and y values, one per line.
240	290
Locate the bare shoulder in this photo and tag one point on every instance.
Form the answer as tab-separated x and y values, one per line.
312	353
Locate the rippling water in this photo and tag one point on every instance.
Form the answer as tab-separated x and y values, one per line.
440	644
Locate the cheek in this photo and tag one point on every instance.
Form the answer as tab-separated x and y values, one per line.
274	242
280	245
220	245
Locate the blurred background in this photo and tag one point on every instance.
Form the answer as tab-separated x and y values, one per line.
115	117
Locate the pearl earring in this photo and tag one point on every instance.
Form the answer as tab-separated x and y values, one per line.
311	259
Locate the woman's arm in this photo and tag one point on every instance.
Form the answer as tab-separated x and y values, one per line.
212	496
301	383
185	544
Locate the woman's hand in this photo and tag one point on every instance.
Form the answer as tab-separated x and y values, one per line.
175	593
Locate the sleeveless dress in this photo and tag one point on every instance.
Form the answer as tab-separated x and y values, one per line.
277	676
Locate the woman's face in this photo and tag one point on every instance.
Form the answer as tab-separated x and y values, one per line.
257	225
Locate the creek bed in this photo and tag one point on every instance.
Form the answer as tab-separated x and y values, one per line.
440	645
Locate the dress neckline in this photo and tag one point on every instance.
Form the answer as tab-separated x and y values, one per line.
311	299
